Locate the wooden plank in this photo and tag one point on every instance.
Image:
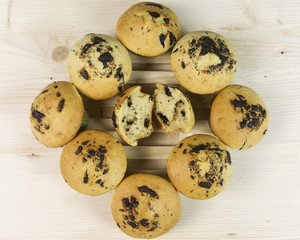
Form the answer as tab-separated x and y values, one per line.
262	200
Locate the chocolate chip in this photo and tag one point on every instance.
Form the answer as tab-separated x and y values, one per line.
126	203
55	86
85	48
166	20
58	94
61	105
79	150
146	122
84	160
44	91
221	182
134	201
47	127
105	57
183	65
154	14
198	148
37	115
239	103
167	91
118	225
265	131
144	222
207	45
132	224
120	87
182	113
154	226
97	40
175	50
162	39
192	177
243	123
91	152
191	51
184	151
145	189
172	38
100	182
84	74
119	75
180	145
102	149
163	118
85	143
129	102
86	178
243	145
105	171
154	4
114	119
205	184
132	218
192	163
253	123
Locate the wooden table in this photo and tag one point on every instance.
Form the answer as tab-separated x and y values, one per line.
262	200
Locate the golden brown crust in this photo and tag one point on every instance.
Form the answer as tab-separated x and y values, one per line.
203	62
148	29
199	166
239	117
56	114
93	163
99	66
145	206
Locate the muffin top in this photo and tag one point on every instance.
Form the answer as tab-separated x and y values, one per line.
203	62
56	114
148	29
93	163
199	166
145	206
239	117
99	66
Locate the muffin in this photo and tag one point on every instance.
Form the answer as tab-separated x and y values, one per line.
199	166
99	66
148	29
145	206
203	62
57	114
93	163
172	109
239	117
132	116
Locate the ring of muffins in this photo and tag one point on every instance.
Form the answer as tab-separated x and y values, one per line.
94	162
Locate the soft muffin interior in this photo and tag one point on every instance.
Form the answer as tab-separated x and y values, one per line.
171	109
136	116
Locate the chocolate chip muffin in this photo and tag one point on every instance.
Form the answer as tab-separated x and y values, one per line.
148	29
203	62
132	116
239	117
145	206
199	166
99	66
172	109
93	163
56	114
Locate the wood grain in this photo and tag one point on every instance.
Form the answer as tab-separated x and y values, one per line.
262	200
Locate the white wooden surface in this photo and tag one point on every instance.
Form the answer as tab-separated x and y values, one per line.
262	200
